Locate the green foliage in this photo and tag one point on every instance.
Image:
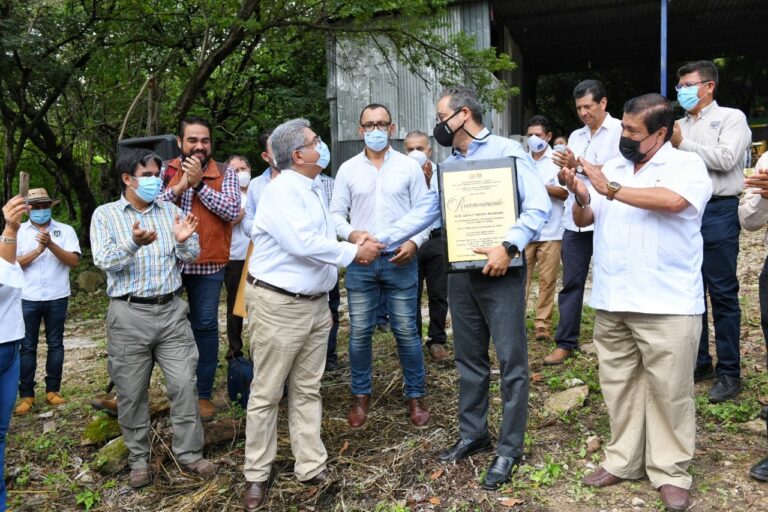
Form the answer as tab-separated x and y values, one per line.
546	475
384	506
728	412
88	499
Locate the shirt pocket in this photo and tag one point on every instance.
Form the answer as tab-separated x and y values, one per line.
648	241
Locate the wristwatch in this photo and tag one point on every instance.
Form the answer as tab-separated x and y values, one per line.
512	250
613	187
199	186
584	205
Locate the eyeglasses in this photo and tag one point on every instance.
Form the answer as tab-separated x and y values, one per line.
690	84
314	142
441	118
381	125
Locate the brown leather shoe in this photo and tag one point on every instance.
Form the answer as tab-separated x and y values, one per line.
318	479
206	408
418	412
140	477
601	478
255	495
557	356
54	398
438	352
674	498
358	412
542	334
25	406
106	403
202	467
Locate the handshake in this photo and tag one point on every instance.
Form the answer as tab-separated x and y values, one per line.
368	248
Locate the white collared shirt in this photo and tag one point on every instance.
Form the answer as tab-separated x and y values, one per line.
238	248
11	283
647	261
596	149
375	199
553	228
294	238
46	277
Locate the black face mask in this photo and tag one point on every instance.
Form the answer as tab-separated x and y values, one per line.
443	133
630	149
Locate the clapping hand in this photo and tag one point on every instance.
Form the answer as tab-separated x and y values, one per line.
193	170
183	229
143	236
43	238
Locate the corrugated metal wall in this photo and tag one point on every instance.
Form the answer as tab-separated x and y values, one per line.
360	75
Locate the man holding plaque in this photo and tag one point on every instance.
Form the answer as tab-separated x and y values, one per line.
647	207
489	302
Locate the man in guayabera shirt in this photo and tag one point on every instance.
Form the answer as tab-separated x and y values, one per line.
596	142
720	136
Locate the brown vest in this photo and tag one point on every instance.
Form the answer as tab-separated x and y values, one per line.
215	233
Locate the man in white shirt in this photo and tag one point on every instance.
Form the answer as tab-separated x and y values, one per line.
596	142
238	249
292	268
546	251
46	250
646	207
721	137
373	190
431	256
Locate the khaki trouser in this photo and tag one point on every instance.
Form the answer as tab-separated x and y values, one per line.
288	340
547	255
138	336
646	375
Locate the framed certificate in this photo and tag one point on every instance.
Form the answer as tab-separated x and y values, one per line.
479	204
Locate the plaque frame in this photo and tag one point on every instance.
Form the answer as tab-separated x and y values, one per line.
468	166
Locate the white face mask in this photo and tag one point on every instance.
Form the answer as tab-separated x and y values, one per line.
536	144
244	177
419	156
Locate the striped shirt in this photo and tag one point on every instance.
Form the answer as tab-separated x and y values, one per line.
224	203
140	270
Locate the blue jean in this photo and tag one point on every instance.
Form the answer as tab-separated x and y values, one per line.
576	253
382	318
9	385
54	314
203	293
365	284
720	230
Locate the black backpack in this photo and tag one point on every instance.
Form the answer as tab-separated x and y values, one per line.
239	377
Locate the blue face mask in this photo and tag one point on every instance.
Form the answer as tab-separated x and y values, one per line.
325	155
149	187
688	97
376	140
40	216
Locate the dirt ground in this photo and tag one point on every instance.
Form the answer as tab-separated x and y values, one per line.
389	466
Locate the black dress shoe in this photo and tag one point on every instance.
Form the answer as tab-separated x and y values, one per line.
464	448
500	471
318	479
760	471
255	495
703	372
726	388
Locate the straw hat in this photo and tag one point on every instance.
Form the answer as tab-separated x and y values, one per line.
40	195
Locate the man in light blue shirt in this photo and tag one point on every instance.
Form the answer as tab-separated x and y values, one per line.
260	182
490	303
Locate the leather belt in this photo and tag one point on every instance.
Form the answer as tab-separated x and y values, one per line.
261	284
721	198
436	233
159	300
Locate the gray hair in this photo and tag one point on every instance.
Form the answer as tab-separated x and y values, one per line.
287	138
463	96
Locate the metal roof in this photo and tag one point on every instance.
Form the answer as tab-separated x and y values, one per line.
559	35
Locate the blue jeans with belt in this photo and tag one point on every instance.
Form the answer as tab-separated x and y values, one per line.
9	386
54	314
720	230
203	292
365	285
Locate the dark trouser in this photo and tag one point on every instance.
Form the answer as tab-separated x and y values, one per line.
232	273
576	254
483	307
720	230
334	300
432	267
203	292
382	316
54	314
